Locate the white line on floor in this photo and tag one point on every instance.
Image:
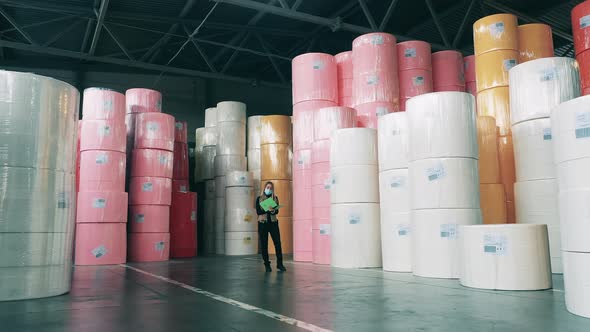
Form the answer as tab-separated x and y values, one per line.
245	306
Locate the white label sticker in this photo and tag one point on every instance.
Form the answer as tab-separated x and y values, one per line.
179	125
354	219
163	160
495	244
377	40
318	65
449	231
159	246
328	183
139	218
108	104
496	29
63	201
325	229
182	188
99	203
584	21
159	104
381	110
372	79
509	63
403	230
99	251
410	53
104	130
548	75
547	134
247	239
102	158
397	182
148	186
418	80
435	173
193	215
242	180
582	124
152	126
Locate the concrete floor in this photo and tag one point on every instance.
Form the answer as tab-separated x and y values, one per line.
116	298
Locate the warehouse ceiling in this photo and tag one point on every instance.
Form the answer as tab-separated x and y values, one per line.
240	40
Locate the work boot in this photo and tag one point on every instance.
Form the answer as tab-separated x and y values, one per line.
281	268
267	267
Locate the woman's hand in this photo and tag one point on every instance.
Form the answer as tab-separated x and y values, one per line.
272	210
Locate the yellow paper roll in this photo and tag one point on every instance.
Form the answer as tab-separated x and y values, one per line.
283	190
275	161
286	231
487	140
493	203
507	169
495	102
495	32
275	129
535	41
510	212
491	69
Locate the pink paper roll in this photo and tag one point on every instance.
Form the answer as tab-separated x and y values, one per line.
180	186
328	119
469	68
143	101
181	131
321	216
375	87
471	87
320	173
345	92
149	247
314	78
150	191
302	241
322	246
320	195
447	69
103	104
180	170
302	202
456	88
302	160
302	178
154	131
402	104
152	162
320	152
183	209
347	102
101	244
368	114
149	218
414	54
78	157
102	171
374	52
101	207
303	125
108	135
344	65
414	82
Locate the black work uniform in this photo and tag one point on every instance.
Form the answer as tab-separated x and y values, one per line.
272	227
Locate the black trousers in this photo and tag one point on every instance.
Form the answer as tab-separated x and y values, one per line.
273	229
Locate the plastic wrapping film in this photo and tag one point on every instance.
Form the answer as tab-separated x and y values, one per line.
533	150
495	102
152	162
180	186
396	242
35	249
356	235
570	122
30	282
101	244
492	68
101	206
447	69
505	257
535	41
487	141
436	241
367	115
469	68
209	215
150	190
538	86
442	124
253	156
344	65
181	162
238	179
143	101
103	104
414	82
231	138
254	132
240	214
286	231
353	146
181	131
149	218
314	77
580	22
576	266
507	168
354	184
102	171
320	151
381	86
495	32
493	203
275	129
393	141
275	161
303	122
38	122
302	241
154	131
241	243
149	247
374	52
208	162
227	163
210	136
106	135
414	54
583	60
536	203
231	111
574	217
328	119
220	187
211	117
210	189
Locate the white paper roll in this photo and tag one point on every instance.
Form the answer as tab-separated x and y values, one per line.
396	242
210	189
573	174
35	249
444	183
505	257
354	184
442	124
231	111
539	85
240	214
31	282
209	215
241	243
576	269
254	159
574	217
220	186
533	150
219	217
356	235
394	192
231	138
238	179
353	146
227	163
254	132
210	136
220	244
570	130
211	117
393	137
435	238
208	162
199	138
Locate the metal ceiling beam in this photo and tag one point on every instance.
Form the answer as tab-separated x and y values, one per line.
203	55
60	34
463	23
234	54
272	61
86	35
36	24
388	14
100	19
284	4
118	42
437	23
297	4
17	26
419	27
368	15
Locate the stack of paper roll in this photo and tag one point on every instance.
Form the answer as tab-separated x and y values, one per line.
491	190
37	174
198	171
505	257
208	176
448	71
101	232
253	152
230	156
375	85
496	52
443	178
581	34
276	155
325	121
571	152
469	69
209	216
394	192
536	87
414	70
535	41
345	74
241	222
354	199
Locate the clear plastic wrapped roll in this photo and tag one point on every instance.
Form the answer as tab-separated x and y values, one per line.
102	171
375	87
495	32
210	189
31	282
231	138
107	135
103	104
227	163
374	52
210	136
35	249
328	119
533	150
181	131
314	77
414	82
276	129
101	244
393	140
149	218
487	142
303	123
220	187
254	132
535	41
150	190
210	117
492	68
442	124
154	131
367	115
570	130
353	146
538	86
344	65
208	162
152	162
143	101
238	179
447	69
149	247
101	206
231	111
414	54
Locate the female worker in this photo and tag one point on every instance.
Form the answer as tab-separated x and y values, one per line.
268	223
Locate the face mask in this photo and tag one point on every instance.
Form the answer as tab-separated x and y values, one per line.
267	192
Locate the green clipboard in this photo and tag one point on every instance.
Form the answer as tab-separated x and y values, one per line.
268	203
